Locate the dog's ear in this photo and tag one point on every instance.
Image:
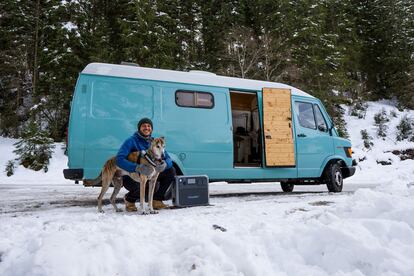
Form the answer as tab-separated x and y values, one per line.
162	138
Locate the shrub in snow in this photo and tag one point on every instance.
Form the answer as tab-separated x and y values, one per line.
381	119
385	162
359	109
405	129
367	139
10	166
34	149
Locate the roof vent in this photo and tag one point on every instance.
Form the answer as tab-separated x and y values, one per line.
129	63
201	72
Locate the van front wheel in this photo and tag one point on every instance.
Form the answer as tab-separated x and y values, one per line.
287	187
334	178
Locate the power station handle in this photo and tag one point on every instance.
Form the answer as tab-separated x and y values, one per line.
301	135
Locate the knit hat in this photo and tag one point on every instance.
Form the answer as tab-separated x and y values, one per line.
144	121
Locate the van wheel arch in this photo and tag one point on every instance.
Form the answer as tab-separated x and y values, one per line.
178	171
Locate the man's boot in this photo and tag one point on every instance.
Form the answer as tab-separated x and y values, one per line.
158	204
130	206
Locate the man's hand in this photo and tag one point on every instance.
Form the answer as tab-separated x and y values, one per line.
160	167
143	169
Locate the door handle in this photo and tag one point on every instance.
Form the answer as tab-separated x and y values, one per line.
301	135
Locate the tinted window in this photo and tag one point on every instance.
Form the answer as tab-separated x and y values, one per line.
305	115
185	98
320	121
194	99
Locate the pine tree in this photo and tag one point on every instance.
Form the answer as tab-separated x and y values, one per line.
380	120
385	29
53	86
405	128
323	36
367	139
217	18
16	39
10	167
359	109
35	148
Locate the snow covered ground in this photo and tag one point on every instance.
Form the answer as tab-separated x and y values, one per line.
50	226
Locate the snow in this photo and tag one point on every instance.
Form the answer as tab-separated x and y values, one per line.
50	226
381	151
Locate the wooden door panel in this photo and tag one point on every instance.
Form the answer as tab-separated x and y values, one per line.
277	127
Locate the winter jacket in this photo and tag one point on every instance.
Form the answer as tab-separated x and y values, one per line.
136	143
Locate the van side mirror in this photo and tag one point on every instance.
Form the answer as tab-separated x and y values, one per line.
322	127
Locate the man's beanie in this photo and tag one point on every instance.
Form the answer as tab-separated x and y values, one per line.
144	121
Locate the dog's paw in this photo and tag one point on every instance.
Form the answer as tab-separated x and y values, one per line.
119	210
144	212
153	212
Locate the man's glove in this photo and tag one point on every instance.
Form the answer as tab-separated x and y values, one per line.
143	169
161	167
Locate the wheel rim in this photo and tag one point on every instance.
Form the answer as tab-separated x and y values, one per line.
338	178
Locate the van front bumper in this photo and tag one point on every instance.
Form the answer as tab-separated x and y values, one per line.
73	174
348	171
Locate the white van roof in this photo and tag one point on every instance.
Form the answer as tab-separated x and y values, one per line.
192	77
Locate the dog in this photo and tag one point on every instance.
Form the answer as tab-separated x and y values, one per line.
111	173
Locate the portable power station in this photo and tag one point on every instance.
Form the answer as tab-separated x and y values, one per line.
190	190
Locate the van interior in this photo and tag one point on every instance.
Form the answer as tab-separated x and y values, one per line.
246	129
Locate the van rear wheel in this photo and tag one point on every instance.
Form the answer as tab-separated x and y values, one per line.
287	187
334	178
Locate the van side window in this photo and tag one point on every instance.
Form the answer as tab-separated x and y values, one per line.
320	121
194	99
305	114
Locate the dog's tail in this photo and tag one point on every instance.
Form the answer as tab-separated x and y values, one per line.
109	170
94	182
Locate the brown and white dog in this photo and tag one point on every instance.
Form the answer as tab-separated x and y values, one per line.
111	173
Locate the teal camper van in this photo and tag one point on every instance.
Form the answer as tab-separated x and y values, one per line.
230	129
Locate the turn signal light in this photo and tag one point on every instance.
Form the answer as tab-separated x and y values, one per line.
348	152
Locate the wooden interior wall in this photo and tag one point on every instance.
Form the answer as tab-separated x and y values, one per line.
277	122
241	101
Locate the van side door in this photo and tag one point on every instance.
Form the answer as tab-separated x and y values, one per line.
313	141
277	128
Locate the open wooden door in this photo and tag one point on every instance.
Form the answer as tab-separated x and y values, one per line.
277	128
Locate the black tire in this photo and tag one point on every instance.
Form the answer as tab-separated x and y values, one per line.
287	187
334	178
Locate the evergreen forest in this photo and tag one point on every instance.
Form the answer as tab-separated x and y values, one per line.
341	51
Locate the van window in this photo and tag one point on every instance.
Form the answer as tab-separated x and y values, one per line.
194	99
305	115
320	121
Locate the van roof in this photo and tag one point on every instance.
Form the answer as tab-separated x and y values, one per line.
192	77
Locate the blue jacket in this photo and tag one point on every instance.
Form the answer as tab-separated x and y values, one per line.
136	143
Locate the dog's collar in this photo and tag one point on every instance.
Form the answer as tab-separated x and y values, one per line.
148	158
